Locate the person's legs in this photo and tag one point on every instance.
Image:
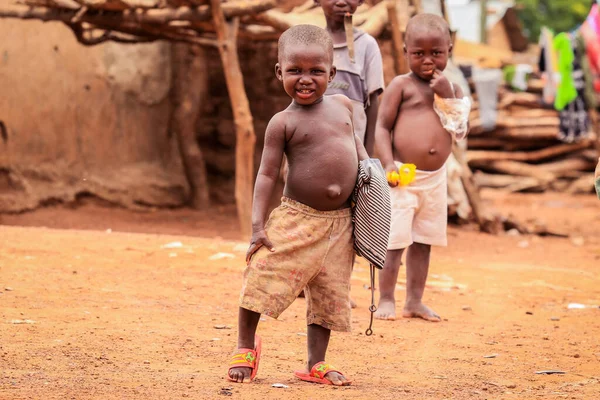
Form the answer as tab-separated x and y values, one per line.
387	285
318	340
247	324
417	268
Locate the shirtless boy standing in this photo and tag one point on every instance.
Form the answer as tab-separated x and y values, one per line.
307	243
410	132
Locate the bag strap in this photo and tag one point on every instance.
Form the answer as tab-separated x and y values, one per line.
373	307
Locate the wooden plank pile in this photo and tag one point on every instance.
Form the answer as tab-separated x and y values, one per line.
523	152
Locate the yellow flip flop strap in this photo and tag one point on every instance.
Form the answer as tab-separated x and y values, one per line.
248	357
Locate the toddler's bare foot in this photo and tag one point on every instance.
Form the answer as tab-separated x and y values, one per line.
240	375
386	309
420	310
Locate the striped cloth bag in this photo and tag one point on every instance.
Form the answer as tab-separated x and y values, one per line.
372	217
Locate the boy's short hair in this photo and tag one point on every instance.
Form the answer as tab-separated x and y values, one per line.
305	35
427	23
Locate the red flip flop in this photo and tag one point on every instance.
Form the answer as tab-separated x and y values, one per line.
248	358
317	374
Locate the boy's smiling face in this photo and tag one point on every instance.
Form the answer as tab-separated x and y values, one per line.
336	9
427	50
305	71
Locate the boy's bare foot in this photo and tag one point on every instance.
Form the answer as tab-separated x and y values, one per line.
336	379
386	310
240	374
420	310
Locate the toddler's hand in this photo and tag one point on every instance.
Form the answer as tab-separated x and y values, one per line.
441	85
258	240
393	178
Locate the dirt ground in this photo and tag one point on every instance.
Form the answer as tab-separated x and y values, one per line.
95	305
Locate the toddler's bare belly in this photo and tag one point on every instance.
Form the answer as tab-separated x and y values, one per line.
422	141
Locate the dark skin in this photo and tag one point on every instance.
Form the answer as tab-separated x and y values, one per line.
316	135
409	130
334	11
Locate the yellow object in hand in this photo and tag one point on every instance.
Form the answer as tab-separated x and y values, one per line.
407	173
393	177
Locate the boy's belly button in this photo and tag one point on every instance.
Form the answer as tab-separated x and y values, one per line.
334	191
432	151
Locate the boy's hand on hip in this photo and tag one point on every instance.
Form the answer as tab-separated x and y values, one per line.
441	85
258	240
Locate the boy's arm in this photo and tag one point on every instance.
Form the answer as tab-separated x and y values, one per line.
268	173
371	112
386	119
360	149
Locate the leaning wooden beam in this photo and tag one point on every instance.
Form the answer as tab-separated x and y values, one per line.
487	223
190	88
153	16
537	155
245	137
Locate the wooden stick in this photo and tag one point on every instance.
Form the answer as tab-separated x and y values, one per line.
503	181
479	155
569	165
152	16
245	137
546	133
517	168
509	122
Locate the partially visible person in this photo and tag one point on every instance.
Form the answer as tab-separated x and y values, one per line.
414	140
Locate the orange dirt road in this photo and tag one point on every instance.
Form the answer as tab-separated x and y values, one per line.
101	314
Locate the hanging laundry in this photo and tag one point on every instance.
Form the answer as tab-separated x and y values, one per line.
548	65
588	76
566	91
516	76
590	30
574	119
487	82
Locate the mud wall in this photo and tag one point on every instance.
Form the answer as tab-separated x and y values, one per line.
84	120
95	120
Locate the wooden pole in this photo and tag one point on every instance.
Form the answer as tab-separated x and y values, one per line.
245	137
397	36
190	88
483	21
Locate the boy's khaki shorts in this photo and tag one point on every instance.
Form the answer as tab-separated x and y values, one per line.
314	252
420	210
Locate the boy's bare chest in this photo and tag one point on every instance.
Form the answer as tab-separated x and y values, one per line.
418	99
322	129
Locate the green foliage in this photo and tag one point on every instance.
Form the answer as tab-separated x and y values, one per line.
558	15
